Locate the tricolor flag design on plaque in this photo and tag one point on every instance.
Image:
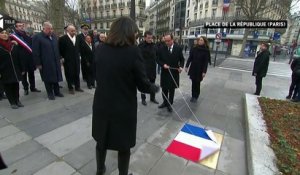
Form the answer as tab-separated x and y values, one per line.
194	143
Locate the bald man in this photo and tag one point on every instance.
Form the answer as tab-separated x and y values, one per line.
69	51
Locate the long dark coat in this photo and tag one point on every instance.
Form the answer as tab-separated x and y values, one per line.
119	73
26	56
261	64
198	62
174	60
70	53
45	53
11	66
149	53
87	57
81	41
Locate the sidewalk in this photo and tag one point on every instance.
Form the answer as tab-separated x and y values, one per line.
53	137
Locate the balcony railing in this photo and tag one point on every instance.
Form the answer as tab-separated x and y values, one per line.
142	4
142	16
101	7
107	7
122	4
114	6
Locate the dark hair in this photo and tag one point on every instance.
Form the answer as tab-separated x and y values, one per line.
122	32
266	44
147	33
170	35
206	43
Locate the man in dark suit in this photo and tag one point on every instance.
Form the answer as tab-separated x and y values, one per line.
69	50
46	56
172	61
81	42
149	53
26	58
261	65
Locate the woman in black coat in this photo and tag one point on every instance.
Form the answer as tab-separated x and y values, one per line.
87	57
296	75
197	63
119	73
10	69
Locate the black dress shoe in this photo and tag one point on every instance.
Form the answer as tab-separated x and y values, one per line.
35	90
19	104
101	172
144	102
26	92
89	87
14	106
78	90
170	109
59	95
51	97
154	101
163	105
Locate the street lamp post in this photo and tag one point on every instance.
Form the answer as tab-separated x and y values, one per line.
132	9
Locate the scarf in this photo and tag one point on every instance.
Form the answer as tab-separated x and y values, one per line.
7	45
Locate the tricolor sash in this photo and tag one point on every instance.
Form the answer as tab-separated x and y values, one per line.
21	42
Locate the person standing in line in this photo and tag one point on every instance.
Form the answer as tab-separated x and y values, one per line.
47	58
87	56
159	45
26	55
172	61
120	72
101	40
2	94
296	74
11	69
149	53
261	65
81	41
197	65
69	51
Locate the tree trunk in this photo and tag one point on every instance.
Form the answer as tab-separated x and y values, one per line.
132	9
57	15
2	6
245	37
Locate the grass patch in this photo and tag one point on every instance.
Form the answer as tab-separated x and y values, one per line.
283	124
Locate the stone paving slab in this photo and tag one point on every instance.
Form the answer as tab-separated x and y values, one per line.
13	139
55	168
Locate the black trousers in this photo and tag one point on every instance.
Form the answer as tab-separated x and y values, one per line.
123	160
12	92
293	87
1	90
258	82
74	80
90	76
195	88
168	94
52	88
152	95
31	80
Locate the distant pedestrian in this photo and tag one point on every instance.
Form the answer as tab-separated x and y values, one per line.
293	87
46	55
101	40
11	69
197	65
185	48
296	73
87	56
261	65
120	72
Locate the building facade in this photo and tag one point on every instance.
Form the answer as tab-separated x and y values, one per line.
25	11
99	14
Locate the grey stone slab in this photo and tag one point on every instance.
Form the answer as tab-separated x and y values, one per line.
20	151
220	173
235	128
57	167
163	137
169	164
3	123
235	76
111	164
81	155
145	158
197	169
232	158
31	163
13	140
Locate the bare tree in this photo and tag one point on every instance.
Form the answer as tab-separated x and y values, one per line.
57	15
71	12
2	6
258	9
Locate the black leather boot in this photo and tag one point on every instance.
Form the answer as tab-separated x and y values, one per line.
123	162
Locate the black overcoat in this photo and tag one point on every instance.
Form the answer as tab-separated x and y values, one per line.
149	53
174	60
70	53
46	53
119	73
198	62
11	66
261	63
80	38
87	57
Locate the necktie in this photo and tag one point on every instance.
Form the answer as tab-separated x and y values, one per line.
170	50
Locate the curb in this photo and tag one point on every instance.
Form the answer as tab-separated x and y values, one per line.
260	157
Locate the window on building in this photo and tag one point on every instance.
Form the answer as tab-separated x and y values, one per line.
195	16
140	23
238	11
107	25
205	15
101	25
114	13
121	12
215	2
214	12
188	14
200	16
107	13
